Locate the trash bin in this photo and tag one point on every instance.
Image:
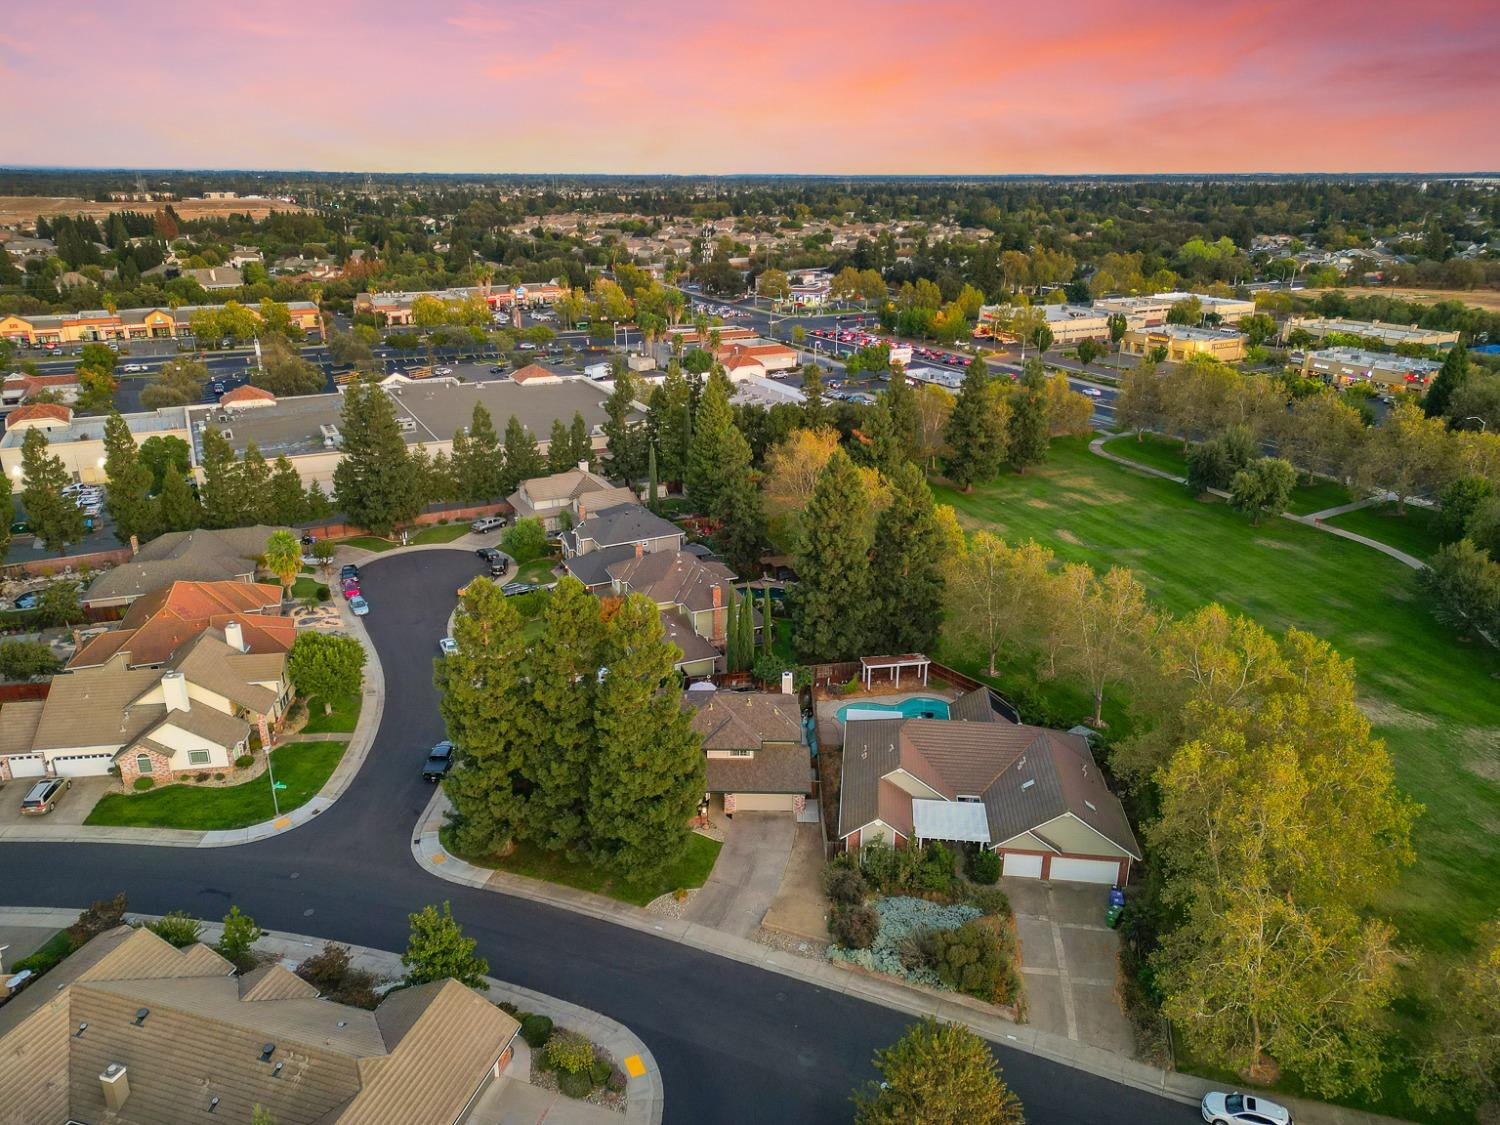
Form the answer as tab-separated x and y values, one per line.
1112	916
1116	896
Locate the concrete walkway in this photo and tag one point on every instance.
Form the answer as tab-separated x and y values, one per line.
914	1000
644	1092
1313	521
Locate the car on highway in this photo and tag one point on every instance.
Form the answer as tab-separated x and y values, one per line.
527	346
1092	392
439	762
447	646
359	606
1243	1109
133	368
42	797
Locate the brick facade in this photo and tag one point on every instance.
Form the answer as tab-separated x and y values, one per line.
161	766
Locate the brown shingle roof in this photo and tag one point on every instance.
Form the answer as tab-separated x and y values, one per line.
675	578
96	707
744	720
200	555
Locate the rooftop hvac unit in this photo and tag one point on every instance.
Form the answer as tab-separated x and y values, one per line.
406	424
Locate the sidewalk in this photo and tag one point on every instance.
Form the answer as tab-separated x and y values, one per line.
914	1000
644	1092
360	741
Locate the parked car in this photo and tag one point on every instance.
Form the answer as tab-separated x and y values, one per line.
500	567
20	527
497	368
528	346
133	368
487	523
512	589
489	554
359	606
42	797
439	762
28	600
348	570
1243	1109
447	646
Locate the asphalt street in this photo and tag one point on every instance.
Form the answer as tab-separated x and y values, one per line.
735	1043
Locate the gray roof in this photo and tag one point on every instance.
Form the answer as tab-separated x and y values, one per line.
743	720
872	749
675	578
198	556
693	647
592	569
624	523
973	707
1066	781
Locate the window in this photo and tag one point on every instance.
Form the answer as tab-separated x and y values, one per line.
742	753
198	757
143	763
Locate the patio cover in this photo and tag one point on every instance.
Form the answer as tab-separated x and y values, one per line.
960	821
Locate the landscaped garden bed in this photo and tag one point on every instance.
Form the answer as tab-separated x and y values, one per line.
569	1062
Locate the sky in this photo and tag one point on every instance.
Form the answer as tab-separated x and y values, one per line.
843	87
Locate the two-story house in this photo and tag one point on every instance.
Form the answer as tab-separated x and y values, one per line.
549	498
693	594
610	531
757	757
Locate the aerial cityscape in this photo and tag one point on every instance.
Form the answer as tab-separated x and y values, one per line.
873	565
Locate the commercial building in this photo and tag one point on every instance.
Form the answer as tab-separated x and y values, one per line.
130	1031
1355	365
1148	312
1388	335
396	308
1183	341
79	442
1068	323
93	325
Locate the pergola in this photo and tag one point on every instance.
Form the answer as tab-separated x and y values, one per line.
869	665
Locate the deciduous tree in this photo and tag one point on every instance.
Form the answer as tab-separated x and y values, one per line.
438	950
327	667
937	1074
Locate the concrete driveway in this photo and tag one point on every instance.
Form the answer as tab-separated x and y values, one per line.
74	808
1070	960
748	872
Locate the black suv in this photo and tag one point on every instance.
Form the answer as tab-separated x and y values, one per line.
439	762
490	554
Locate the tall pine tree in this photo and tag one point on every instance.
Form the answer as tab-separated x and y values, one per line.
625	439
907	567
481	476
833	566
55	519
255	486
1454	374
287	498
719	452
559	448
177	506
815	411
976	440
222	490
523	460
1028	438
375	484
906	420
128	500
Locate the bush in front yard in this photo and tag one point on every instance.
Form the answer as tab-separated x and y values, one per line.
178	928
142	784
578	1084
536	1030
244	761
570	1053
843	883
990	900
976	959
855	927
984	867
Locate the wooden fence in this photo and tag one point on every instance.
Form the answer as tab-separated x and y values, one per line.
15	693
454	513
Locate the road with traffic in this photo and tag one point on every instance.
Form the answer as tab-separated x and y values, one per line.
736	1044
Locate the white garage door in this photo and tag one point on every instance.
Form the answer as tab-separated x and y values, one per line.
82	765
1023	866
27	765
763	802
1085	870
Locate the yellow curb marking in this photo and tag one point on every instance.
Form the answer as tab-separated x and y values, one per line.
439	859
284	822
634	1067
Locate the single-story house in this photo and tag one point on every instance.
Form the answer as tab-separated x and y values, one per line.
1032	795
231	554
131	1031
756	751
155	626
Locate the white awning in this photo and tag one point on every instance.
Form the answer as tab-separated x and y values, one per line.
961	821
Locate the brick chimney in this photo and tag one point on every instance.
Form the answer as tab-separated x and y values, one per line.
640	549
135	546
718	616
115	1085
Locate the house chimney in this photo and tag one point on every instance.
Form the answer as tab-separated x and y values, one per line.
174	692
115	1085
234	636
786	684
583	466
135	546
640	549
720	620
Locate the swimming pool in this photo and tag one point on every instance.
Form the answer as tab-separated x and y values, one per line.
918	707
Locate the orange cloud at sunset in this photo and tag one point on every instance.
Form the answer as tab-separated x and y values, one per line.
834	87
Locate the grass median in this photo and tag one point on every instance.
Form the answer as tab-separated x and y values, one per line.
303	767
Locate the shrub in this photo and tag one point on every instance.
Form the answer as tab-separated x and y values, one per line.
536	1030
322	594
141	784
202	775
975	959
178	928
984	867
990	900
936	871
20	660
510	1009
218	777
569	1052
575	1084
843	883
240	933
600	1071
103	914
325	969
855	927
616	1079
244	761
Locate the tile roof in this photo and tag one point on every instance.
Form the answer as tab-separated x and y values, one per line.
97	707
39	410
246	393
163	620
675	578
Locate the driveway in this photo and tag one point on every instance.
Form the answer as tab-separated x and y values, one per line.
75	806
1070	960
748	872
799	908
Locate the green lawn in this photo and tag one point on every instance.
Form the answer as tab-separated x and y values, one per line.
306	589
553	867
537	571
340	721
1432	699
438	533
1415	532
302	767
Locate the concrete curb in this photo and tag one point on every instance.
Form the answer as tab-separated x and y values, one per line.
645	1095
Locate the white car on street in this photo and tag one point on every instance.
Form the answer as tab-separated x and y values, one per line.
1243	1109
1093	392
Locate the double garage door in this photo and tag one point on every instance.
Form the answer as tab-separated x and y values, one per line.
764	802
1063	869
82	765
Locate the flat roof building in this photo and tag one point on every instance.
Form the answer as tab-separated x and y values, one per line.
1355	365
1068	323
396	308
1387	334
1147	312
91	325
1183	341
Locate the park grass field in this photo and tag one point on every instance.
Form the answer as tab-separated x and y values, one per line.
1435	701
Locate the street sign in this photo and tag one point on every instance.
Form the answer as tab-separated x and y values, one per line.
278	785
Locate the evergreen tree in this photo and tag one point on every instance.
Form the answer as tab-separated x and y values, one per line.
482	473
876	445
732	633
669	423
1028	439
7	508
814	405
128	499
976	441
747	631
653	500
177	506
1454	374
55	519
523	460
460	466
559	448
222	491
906	568
438	950
287	501
317	504
906	421
442	479
833	565
626	440
767	624
741	537
719	452
375	484
580	442
482	707
647	775
255	486
557	715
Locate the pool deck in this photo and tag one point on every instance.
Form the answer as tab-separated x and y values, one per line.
828	708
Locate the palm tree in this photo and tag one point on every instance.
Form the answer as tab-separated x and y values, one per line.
284	559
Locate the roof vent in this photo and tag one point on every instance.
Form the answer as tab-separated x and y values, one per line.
140	1016
213	1103
1091	805
343	1024
276	1070
267	1051
81	1029
1027	784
